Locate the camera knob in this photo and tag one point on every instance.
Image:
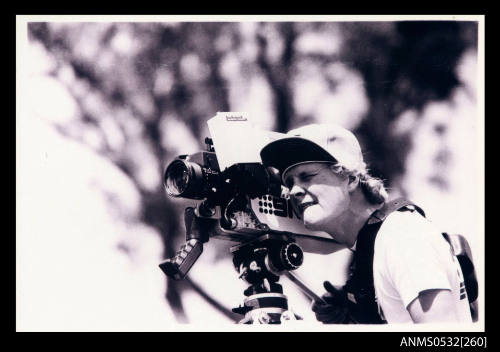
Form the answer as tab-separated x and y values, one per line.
292	256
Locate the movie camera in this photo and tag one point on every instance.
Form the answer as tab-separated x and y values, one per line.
242	201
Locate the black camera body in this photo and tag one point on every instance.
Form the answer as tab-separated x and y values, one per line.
198	177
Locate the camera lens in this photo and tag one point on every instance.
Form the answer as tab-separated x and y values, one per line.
188	179
177	178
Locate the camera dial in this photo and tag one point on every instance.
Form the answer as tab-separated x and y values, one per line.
292	256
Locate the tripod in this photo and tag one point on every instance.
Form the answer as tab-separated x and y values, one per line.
259	261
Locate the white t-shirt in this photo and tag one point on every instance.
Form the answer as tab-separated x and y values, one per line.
411	256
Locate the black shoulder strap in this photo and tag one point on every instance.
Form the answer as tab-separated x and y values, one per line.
389	207
360	286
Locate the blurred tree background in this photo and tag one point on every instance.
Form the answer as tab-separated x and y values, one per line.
142	93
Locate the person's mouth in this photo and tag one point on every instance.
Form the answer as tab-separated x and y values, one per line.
304	206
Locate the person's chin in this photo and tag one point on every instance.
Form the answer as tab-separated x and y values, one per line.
310	223
312	227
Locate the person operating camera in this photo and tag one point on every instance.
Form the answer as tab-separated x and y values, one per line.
412	275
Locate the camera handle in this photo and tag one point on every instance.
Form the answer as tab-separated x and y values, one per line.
302	286
198	231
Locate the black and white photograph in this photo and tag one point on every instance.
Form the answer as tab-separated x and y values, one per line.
228	173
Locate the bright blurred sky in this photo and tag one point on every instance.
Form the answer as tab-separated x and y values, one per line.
71	275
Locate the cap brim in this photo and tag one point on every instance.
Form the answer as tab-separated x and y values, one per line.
286	152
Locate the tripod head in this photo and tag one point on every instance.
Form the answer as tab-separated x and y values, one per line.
260	263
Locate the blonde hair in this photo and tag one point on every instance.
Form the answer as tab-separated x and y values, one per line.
372	187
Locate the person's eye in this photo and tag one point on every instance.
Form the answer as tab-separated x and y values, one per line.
307	177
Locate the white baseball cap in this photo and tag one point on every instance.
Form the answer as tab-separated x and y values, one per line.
314	143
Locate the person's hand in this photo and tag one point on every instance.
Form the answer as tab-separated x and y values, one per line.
334	310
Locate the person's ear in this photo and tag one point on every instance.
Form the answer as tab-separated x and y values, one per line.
352	184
